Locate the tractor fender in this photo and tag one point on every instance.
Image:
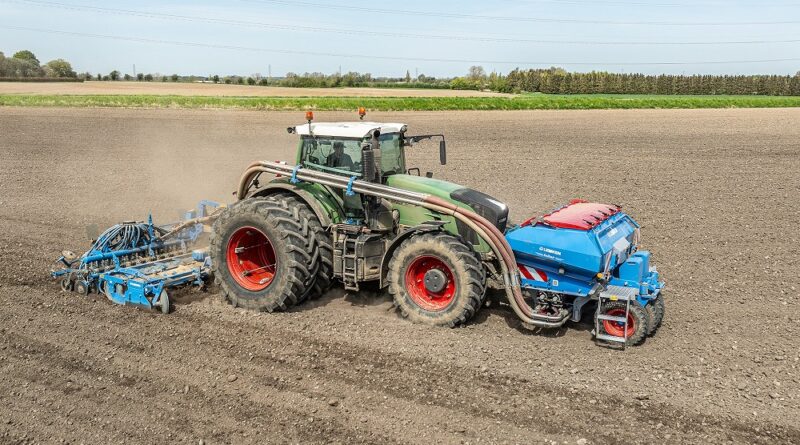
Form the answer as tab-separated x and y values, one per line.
429	226
327	209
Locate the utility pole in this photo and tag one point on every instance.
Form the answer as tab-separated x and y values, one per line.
134	70
269	74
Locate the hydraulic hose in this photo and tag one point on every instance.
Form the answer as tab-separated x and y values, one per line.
484	229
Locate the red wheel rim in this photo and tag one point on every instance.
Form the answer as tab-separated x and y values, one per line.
421	295
251	259
616	328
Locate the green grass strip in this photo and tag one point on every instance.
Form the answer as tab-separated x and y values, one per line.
522	102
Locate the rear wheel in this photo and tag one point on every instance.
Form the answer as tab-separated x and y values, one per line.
658	311
436	279
163	302
638	322
651	318
66	284
82	287
317	243
259	255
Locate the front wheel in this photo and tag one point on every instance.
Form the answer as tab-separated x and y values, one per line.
437	279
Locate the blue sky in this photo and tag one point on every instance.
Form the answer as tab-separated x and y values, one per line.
524	33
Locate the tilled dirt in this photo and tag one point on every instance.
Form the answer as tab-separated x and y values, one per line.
716	192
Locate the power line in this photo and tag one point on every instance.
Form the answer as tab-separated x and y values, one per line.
511	19
382	57
357	32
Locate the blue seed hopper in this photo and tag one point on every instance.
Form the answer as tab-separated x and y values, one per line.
586	251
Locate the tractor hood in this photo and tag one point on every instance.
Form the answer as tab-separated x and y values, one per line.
421	184
491	209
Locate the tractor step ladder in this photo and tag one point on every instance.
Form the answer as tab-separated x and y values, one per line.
613	293
350	264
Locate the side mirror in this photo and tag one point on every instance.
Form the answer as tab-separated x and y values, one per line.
442	152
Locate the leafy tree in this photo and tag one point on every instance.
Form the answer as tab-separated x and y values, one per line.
127	77
140	76
251	81
215	78
476	73
464	83
175	77
99	76
60	68
114	75
148	77
408	76
27	56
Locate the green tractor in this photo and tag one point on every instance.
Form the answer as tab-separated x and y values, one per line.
351	210
287	240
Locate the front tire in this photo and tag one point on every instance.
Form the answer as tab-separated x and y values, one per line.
437	279
259	255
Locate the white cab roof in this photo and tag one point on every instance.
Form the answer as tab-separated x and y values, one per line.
348	129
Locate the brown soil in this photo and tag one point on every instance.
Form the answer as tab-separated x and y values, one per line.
210	89
716	192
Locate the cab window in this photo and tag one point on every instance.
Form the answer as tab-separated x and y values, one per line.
333	155
392	161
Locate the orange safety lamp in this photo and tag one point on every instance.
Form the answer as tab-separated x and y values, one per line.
309	115
362	112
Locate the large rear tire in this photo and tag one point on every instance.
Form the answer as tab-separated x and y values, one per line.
437	279
259	256
318	245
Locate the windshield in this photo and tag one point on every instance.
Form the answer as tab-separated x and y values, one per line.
334	155
343	156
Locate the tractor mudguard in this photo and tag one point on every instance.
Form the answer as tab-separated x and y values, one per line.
325	206
428	226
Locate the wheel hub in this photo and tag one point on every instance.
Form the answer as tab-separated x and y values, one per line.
251	259
435	280
430	283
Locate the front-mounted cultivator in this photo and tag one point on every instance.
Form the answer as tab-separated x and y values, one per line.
352	210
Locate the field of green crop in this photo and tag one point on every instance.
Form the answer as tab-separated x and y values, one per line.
521	102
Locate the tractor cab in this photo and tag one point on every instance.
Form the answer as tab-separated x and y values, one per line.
340	147
375	152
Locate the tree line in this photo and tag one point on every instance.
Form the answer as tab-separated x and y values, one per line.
24	64
559	81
